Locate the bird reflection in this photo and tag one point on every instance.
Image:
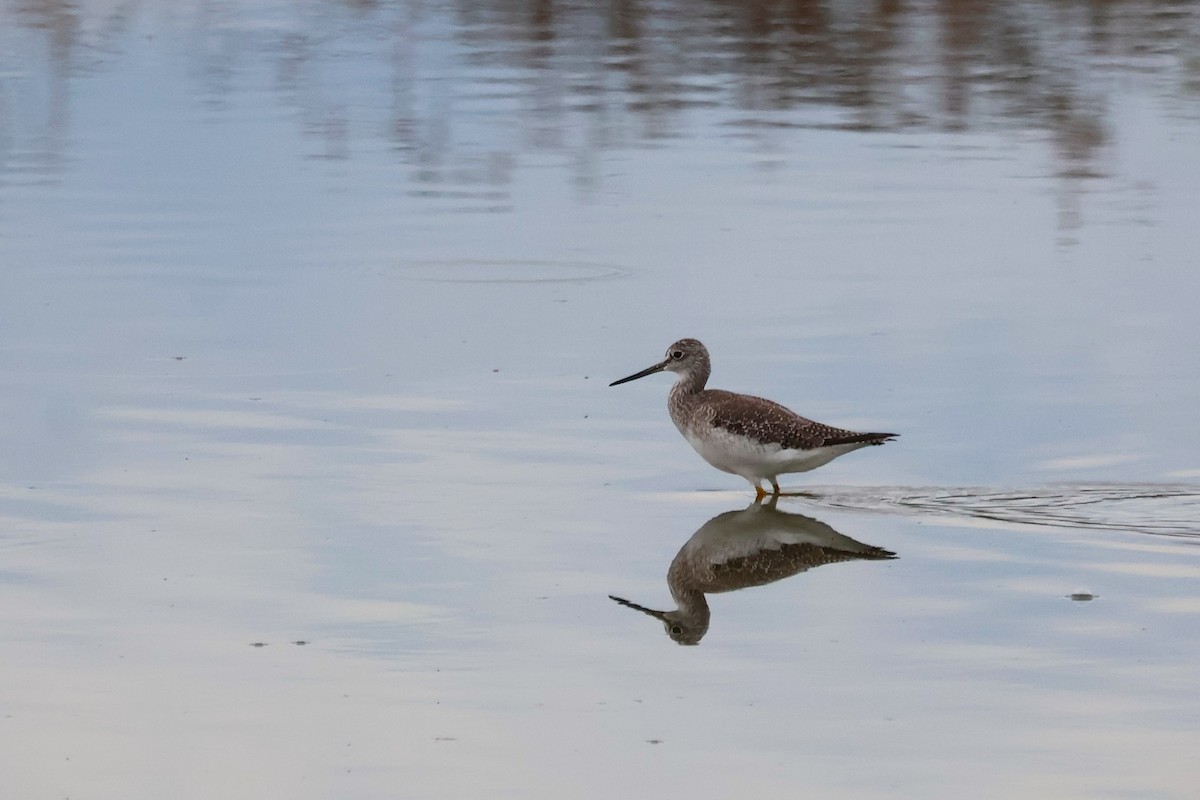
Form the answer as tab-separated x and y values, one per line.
738	549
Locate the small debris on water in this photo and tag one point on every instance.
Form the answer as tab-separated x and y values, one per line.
654	741
258	644
1082	595
300	642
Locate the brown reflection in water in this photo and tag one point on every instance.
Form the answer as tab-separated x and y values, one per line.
585	77
742	549
59	20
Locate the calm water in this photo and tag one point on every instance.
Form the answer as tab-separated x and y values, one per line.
312	485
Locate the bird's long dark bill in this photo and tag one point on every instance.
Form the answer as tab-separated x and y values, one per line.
656	614
642	374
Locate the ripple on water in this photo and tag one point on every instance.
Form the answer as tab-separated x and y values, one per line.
1159	509
496	271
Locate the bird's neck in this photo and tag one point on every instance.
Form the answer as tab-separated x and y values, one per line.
684	588
691	601
692	381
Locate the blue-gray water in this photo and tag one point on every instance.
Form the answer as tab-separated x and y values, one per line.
307	316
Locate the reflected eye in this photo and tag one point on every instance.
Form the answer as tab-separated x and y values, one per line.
676	354
676	630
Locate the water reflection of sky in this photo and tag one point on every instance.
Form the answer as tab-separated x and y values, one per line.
307	314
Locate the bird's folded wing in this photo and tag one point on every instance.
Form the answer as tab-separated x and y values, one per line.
768	422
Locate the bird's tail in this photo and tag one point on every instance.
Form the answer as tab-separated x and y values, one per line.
863	438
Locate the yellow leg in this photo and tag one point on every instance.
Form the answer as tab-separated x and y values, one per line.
759	492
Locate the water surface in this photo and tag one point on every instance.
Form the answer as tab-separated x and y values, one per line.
312	484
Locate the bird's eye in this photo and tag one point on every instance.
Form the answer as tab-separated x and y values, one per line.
676	354
676	630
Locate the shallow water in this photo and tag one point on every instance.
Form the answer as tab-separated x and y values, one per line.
312	484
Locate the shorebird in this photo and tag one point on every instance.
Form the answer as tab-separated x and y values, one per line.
740	549
745	435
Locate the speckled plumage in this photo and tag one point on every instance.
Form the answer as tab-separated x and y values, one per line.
743	434
766	421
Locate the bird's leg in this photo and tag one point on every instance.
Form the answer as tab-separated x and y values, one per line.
759	492
777	492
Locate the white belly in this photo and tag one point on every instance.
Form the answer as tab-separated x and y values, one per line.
754	460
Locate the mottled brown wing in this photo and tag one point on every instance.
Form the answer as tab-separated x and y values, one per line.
772	565
768	422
